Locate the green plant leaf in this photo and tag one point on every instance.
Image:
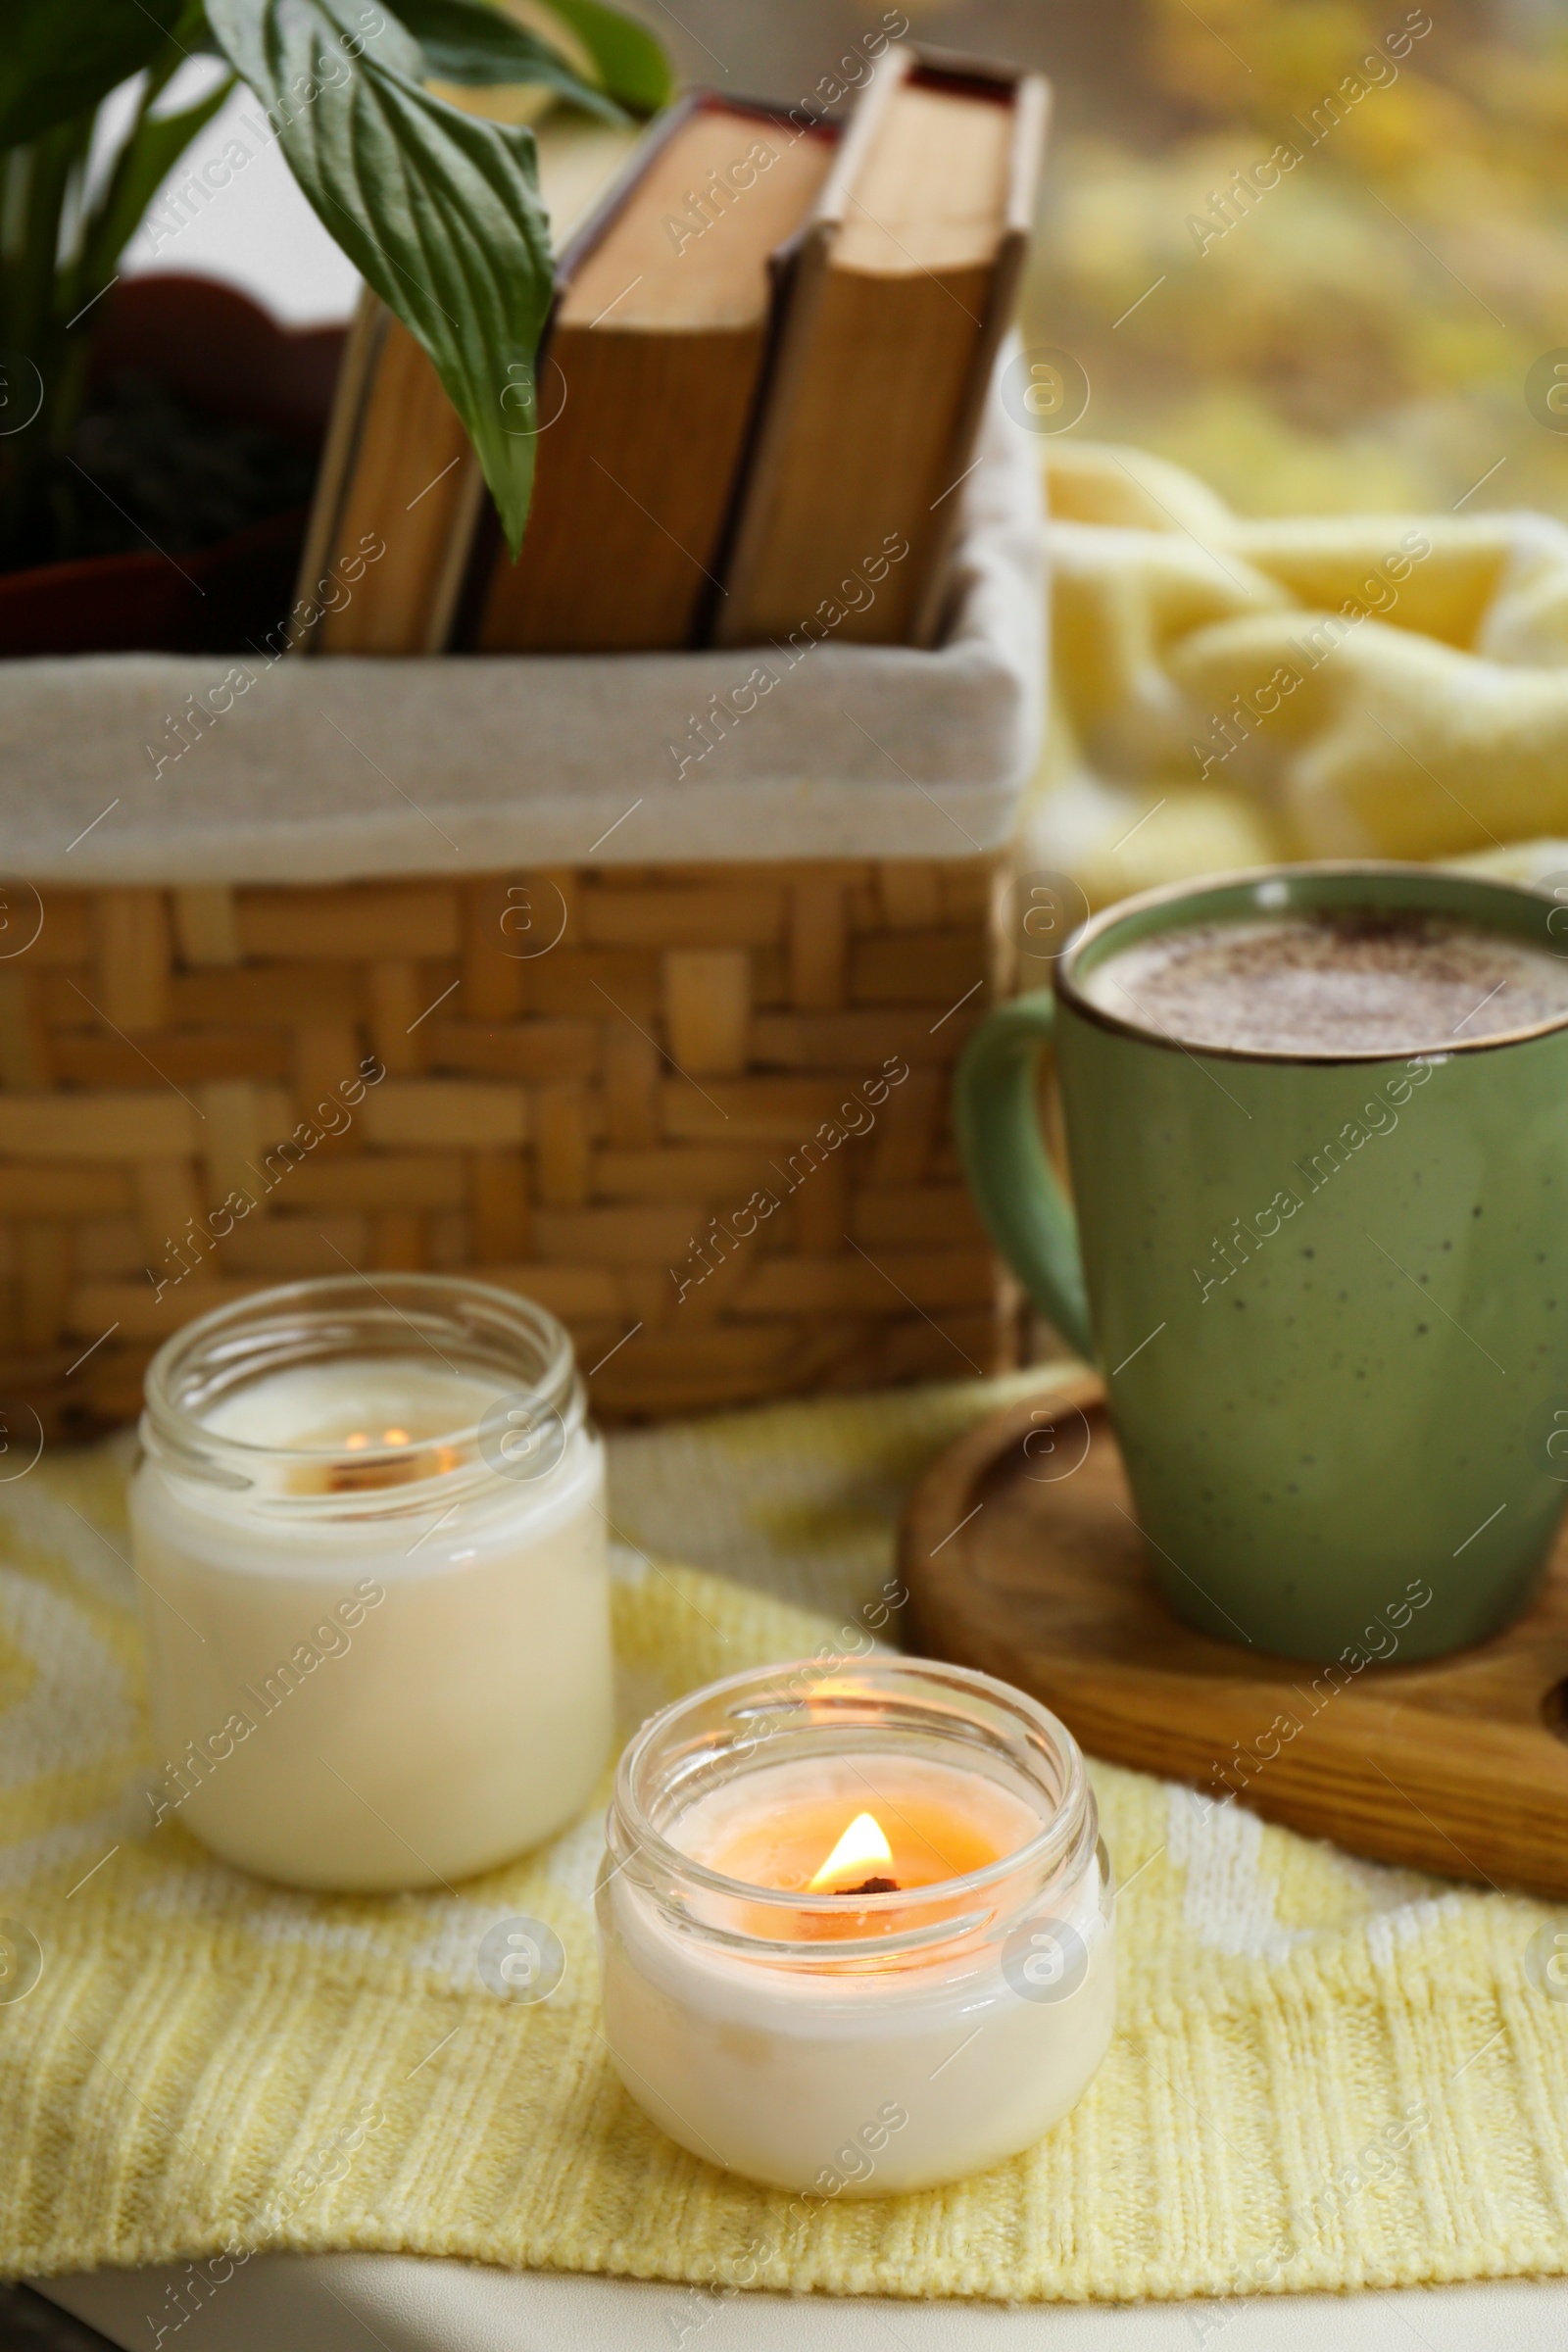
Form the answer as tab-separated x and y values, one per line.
149	155
469	41
58	59
438	210
631	60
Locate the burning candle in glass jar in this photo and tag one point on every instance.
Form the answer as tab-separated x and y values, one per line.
855	1926
371	1560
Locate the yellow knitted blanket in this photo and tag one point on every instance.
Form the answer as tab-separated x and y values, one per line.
1325	2074
1231	690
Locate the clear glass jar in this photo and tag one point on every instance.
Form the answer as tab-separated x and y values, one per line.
370	1549
910	2030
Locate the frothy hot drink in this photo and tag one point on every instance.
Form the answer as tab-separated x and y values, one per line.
1343	982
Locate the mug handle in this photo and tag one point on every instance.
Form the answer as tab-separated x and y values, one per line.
1021	1200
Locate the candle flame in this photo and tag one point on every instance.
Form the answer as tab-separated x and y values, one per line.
385	1463
862	1844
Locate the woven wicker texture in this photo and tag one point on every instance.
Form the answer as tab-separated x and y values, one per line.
698	1112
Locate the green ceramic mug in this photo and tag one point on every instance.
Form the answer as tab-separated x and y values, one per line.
1327	1296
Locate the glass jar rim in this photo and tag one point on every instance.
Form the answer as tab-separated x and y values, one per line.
335	1317
1070	1831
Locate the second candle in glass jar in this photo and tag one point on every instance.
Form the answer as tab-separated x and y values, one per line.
370	1547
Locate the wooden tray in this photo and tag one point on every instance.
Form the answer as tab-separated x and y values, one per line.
1022	1558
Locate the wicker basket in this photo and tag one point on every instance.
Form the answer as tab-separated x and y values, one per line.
596	1118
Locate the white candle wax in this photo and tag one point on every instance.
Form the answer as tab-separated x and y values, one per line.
391	1666
926	2015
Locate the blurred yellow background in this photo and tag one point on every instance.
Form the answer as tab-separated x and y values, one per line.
1361	332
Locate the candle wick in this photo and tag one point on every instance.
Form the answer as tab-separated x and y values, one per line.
871	1887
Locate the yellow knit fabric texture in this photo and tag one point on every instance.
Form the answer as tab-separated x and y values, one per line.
1228	690
1325	2074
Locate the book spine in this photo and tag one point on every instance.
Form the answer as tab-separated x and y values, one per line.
350	399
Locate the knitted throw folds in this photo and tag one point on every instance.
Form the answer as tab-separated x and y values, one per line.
1325	2075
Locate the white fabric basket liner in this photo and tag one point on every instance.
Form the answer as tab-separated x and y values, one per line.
335	769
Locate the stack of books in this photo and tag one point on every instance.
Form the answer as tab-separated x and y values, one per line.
757	395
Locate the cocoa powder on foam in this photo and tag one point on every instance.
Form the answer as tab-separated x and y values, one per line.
1351	983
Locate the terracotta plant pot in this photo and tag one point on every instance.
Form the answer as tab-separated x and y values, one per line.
214	348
